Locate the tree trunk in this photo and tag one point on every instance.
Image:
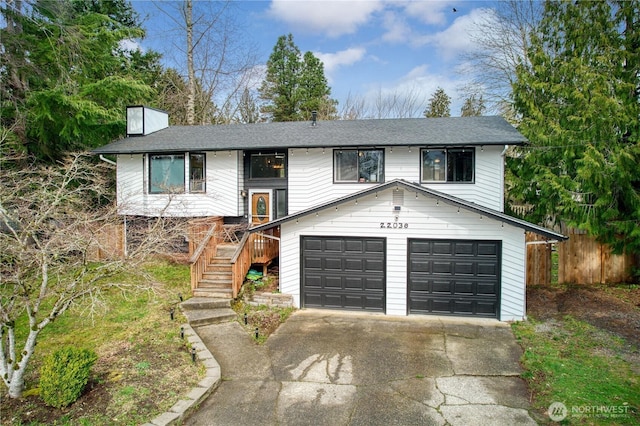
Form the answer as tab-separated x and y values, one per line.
191	83
16	374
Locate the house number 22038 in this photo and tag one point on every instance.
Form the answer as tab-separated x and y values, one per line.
394	225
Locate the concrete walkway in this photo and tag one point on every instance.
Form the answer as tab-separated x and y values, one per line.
336	368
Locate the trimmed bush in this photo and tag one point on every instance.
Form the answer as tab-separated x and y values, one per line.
64	374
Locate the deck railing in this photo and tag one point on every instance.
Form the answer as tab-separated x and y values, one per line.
258	248
252	248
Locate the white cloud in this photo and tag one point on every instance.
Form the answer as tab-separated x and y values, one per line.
334	18
397	29
429	12
418	85
333	61
456	39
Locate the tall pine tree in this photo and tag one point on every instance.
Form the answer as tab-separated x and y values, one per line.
295	85
439	104
579	105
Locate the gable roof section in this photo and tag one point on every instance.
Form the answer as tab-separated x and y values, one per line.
449	131
445	198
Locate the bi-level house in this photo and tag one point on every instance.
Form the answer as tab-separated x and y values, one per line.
397	216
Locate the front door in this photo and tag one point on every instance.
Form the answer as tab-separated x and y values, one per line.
260	207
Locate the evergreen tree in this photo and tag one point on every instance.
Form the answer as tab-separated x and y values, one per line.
579	105
69	76
294	85
473	106
439	104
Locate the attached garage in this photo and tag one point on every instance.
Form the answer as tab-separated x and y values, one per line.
343	273
454	277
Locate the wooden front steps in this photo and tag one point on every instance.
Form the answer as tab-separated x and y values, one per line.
216	281
206	311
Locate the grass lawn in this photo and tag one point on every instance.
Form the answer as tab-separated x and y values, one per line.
584	367
143	365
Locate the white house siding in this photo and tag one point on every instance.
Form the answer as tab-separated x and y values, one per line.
221	197
311	177
425	219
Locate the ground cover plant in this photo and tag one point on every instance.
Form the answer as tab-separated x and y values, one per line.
260	320
581	348
143	366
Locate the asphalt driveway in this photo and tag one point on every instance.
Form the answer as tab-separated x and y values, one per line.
335	368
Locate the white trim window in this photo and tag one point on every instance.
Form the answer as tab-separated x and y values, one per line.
167	173
448	165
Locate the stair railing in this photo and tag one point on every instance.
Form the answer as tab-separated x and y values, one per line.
240	264
202	255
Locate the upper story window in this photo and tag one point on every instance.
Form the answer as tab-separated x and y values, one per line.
167	173
358	165
448	165
267	166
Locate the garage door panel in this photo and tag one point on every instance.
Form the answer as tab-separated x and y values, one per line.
374	284
488	269
440	287
335	246
454	277
463	268
332	264
374	265
375	246
463	288
355	265
487	249
354	283
312	244
441	268
354	246
350	274
464	249
312	263
441	248
416	265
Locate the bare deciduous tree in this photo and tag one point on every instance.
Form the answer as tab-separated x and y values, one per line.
206	39
502	41
52	222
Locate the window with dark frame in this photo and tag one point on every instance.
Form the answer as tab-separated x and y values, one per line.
358	165
448	165
267	166
197	169
166	173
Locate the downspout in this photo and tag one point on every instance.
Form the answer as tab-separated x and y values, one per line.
106	160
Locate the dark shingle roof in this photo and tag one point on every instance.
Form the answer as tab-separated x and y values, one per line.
445	198
448	131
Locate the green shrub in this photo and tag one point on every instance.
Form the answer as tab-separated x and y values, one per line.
64	374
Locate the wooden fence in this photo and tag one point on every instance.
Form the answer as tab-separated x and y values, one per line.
581	260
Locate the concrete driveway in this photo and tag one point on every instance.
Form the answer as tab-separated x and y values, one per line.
335	368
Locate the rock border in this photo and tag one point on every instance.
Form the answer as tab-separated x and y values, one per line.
179	411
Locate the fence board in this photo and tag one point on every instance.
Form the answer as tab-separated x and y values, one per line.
538	260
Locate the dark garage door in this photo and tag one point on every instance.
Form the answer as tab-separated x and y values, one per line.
343	273
454	277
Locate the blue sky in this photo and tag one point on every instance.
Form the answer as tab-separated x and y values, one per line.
368	47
